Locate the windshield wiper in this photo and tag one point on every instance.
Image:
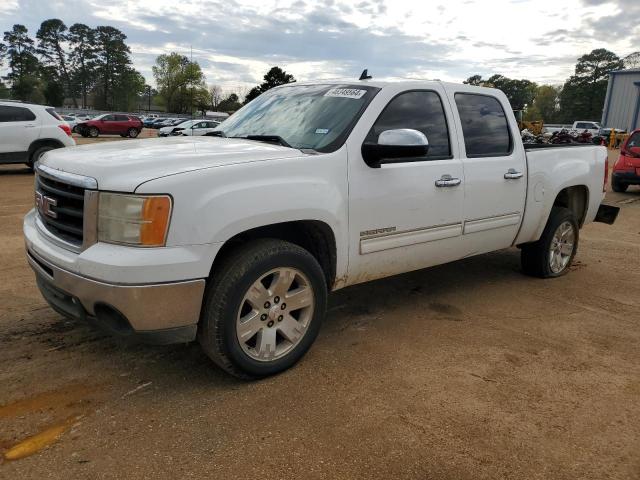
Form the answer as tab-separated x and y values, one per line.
268	138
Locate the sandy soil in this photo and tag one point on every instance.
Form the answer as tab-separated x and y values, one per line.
465	371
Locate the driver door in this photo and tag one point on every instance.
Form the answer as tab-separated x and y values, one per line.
402	216
107	124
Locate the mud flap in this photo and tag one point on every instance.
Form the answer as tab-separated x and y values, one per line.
607	214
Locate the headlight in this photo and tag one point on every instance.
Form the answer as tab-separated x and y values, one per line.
138	220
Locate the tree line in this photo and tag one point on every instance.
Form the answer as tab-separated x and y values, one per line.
76	63
581	97
182	86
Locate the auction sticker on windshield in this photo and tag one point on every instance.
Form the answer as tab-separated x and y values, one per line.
345	93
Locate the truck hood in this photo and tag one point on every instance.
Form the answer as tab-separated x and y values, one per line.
123	165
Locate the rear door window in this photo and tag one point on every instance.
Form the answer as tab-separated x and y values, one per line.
15	114
484	125
121	118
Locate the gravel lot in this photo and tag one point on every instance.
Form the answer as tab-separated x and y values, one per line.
465	371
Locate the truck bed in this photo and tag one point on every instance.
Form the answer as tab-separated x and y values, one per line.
551	168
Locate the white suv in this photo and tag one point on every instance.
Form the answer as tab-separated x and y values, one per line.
27	131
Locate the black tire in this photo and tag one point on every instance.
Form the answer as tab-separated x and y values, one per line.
535	257
618	186
93	132
224	296
132	132
37	154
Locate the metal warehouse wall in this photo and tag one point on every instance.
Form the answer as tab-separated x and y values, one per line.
622	104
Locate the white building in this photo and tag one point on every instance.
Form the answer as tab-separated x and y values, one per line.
622	103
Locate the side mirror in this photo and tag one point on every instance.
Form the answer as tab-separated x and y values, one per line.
395	145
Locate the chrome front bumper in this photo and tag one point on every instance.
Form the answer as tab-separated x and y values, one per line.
158	313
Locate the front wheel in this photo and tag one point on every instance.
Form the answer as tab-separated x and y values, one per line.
263	308
552	255
93	132
132	133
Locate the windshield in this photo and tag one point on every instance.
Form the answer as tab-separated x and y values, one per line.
634	140
318	117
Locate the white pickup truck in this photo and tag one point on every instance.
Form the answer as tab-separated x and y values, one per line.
236	239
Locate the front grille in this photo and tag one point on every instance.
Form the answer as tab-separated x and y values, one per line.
62	209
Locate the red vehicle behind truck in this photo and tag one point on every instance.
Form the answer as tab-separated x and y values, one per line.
111	124
626	171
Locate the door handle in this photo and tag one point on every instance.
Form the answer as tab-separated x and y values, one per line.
513	174
448	181
29	126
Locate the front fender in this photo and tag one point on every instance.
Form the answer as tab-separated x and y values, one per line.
215	204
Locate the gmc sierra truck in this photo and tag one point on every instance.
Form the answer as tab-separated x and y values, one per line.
236	238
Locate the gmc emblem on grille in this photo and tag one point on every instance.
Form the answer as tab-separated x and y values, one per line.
44	204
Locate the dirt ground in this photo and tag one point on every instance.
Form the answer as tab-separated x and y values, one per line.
465	371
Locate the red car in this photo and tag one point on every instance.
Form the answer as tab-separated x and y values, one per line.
111	124
626	170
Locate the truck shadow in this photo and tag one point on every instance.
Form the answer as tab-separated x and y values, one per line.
14	170
348	308
426	288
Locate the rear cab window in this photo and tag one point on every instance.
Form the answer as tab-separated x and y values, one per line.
9	113
484	125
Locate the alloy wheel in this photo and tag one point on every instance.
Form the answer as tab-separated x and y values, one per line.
562	247
275	314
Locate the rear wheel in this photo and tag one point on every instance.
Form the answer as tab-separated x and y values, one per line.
93	132
37	155
263	309
552	255
132	132
618	186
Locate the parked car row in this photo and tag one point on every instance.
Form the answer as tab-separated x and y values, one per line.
128	125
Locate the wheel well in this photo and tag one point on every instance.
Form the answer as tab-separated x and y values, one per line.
576	199
314	236
44	142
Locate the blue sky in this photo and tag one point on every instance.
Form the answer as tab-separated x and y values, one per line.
236	41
